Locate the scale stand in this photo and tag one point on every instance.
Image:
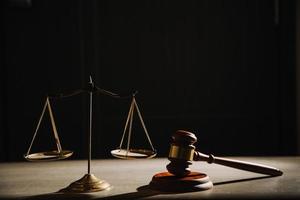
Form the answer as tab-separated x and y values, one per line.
130	153
89	182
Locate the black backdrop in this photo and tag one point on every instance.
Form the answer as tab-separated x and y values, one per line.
222	69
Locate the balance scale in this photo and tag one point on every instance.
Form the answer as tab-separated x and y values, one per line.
89	182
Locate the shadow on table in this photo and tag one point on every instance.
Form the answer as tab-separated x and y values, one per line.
142	192
56	196
242	180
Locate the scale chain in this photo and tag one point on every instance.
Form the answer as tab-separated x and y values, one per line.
126	124
129	120
57	141
143	124
37	127
130	130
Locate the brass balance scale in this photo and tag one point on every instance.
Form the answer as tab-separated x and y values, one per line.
89	182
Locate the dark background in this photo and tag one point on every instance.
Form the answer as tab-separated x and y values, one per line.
224	70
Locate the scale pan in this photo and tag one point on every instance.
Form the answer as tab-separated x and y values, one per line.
133	153
48	155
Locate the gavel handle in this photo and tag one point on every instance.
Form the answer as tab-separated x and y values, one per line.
248	166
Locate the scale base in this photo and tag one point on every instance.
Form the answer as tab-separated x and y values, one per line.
88	183
168	182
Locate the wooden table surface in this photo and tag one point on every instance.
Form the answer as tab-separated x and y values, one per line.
130	179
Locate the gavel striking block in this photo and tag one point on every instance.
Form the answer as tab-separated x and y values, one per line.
179	176
182	152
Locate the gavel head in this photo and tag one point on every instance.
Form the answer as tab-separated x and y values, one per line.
181	153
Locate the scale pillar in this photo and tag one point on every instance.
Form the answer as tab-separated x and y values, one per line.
89	182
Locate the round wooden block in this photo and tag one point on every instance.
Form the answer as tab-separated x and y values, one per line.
168	182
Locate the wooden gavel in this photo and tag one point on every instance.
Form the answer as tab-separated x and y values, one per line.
182	153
